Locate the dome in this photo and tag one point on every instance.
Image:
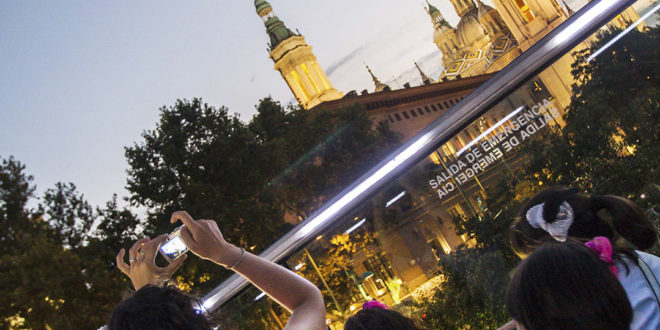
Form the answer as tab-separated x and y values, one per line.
260	5
469	30
439	33
483	10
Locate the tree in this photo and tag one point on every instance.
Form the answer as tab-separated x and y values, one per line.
609	144
334	261
15	191
248	176
68	214
54	271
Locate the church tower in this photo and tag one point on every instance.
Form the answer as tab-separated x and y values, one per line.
444	36
295	61
380	86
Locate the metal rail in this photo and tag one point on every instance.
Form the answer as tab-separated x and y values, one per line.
560	41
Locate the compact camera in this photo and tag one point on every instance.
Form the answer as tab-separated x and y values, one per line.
174	247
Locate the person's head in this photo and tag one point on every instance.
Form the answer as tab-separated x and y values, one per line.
378	318
566	286
549	206
155	307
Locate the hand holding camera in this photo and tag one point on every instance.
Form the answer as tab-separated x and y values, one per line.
142	269
203	238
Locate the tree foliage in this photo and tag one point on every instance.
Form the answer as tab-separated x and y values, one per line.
248	176
609	144
55	270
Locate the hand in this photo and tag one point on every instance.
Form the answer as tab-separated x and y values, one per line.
203	238
142	258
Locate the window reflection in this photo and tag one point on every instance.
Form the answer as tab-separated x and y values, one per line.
436	239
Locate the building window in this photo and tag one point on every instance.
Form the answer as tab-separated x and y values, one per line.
420	111
426	107
451	102
448	149
296	79
524	9
412	112
456	212
398	118
492	27
309	77
390	117
378	265
445	103
447	47
434	108
468	134
405	115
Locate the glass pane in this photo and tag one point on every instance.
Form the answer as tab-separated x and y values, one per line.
251	309
434	243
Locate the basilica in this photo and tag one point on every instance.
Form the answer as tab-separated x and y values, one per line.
484	41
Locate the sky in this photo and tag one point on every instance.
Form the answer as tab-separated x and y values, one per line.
81	80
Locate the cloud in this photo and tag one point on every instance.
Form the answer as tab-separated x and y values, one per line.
334	66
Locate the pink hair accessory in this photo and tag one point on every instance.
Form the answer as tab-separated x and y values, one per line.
602	246
374	304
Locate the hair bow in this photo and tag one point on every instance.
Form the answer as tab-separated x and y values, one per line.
602	246
558	229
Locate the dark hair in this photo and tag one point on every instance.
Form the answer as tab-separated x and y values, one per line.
627	219
566	286
379	319
155	307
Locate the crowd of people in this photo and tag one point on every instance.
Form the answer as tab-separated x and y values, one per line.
582	268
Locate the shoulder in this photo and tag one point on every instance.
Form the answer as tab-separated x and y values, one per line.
646	314
651	260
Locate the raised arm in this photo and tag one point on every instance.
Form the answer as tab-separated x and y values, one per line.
289	289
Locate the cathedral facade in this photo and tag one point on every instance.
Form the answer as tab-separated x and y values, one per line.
486	39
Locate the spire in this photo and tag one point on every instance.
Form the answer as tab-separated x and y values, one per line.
432	9
436	16
569	11
379	85
275	28
425	78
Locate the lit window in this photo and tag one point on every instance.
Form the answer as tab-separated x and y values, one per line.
524	9
492	27
435	158
296	79
309	77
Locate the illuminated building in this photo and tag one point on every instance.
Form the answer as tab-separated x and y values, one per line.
414	228
486	39
409	250
294	59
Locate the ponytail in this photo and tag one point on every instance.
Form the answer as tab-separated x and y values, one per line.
628	219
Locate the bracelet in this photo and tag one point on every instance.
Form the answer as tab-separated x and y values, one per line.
239	260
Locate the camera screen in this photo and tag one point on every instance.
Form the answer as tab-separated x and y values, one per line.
174	248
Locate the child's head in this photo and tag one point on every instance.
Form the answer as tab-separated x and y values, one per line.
566	286
560	212
378	318
158	307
